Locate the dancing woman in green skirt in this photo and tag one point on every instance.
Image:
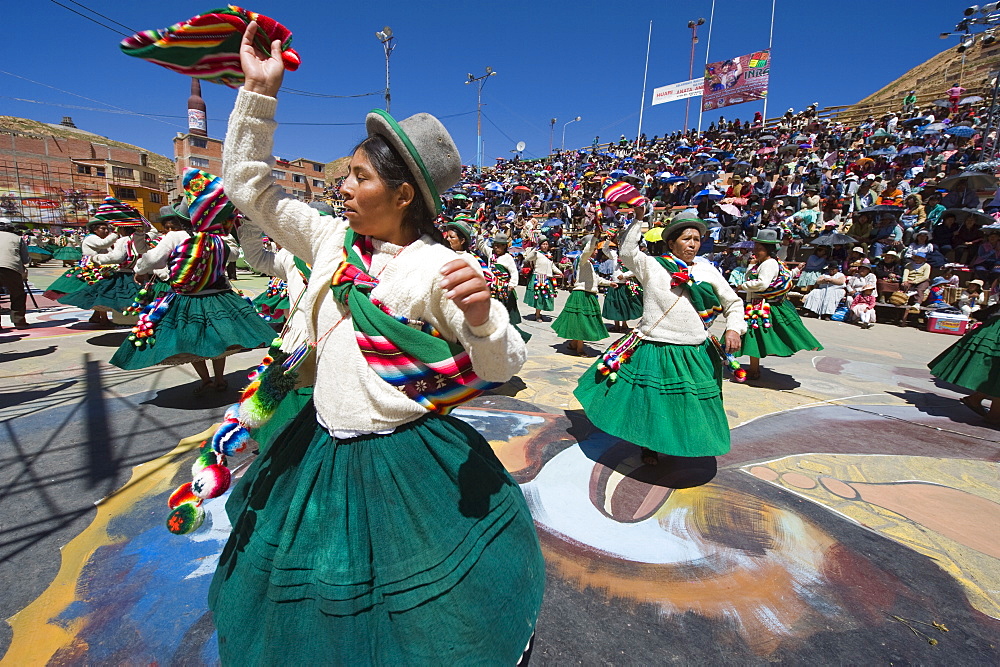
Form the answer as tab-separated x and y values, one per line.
973	363
541	292
660	386
580	319
376	529
773	327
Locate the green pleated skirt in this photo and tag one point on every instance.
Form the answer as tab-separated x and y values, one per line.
511	304
536	299
68	254
274	308
667	398
412	548
580	318
621	305
288	409
198	327
786	335
117	292
67	283
973	361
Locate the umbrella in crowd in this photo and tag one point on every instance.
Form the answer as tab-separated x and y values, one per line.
975	180
934	128
916	122
788	148
962	213
962	131
674	179
522	189
883	208
741	167
833	239
704	177
767	137
654	234
942	103
882	152
971	99
913	150
766	150
730	209
708	193
743	245
494	187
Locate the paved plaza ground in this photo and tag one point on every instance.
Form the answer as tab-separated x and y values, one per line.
855	519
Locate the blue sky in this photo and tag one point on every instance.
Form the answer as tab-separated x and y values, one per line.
554	59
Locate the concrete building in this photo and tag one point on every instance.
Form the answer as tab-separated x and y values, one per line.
302	178
53	175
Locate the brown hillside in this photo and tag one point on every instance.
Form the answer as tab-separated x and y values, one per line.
161	163
931	79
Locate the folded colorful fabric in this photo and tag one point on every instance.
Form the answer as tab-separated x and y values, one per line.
118	213
210	209
207	46
620	192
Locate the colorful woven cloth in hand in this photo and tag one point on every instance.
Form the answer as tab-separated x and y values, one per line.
118	214
208	205
620	192
408	354
207	46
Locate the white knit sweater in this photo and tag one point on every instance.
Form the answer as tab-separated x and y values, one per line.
544	268
586	278
349	395
683	325
120	252
95	245
280	264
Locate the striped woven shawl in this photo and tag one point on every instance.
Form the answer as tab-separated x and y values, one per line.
408	354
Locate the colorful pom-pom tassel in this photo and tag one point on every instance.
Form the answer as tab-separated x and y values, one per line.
185	519
211	482
182	495
230	439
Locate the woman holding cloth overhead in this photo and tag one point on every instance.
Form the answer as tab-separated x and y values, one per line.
660	386
375	528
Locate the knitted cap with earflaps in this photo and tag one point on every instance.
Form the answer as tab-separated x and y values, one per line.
209	208
117	214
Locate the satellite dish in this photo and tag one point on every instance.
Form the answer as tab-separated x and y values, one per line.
520	146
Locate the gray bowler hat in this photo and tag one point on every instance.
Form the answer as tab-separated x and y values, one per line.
176	211
767	236
427	149
683	220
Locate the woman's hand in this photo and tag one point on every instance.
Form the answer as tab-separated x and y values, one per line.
263	72
468	290
732	341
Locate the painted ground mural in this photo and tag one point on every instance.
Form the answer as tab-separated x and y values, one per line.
861	528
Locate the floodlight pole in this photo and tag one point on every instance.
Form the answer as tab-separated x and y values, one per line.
552	131
385	36
564	131
694	40
481	81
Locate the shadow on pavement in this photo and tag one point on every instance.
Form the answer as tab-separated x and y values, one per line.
770	379
14	356
511	388
110	339
22	397
182	396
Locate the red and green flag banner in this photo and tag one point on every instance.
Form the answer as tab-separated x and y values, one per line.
735	81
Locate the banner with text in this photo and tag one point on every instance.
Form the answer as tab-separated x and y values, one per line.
678	91
736	81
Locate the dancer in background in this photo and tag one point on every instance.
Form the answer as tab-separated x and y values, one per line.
118	291
773	327
541	292
660	386
580	319
99	240
201	318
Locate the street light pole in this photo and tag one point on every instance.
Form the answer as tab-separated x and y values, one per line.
694	40
552	131
564	132
385	36
481	80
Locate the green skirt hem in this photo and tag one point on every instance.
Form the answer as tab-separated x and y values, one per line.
666	397
973	361
580	318
786	335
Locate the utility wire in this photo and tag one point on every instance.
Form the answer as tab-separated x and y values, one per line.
306	93
503	133
114	30
107	18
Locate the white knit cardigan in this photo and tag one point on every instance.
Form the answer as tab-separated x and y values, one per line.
349	396
683	325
